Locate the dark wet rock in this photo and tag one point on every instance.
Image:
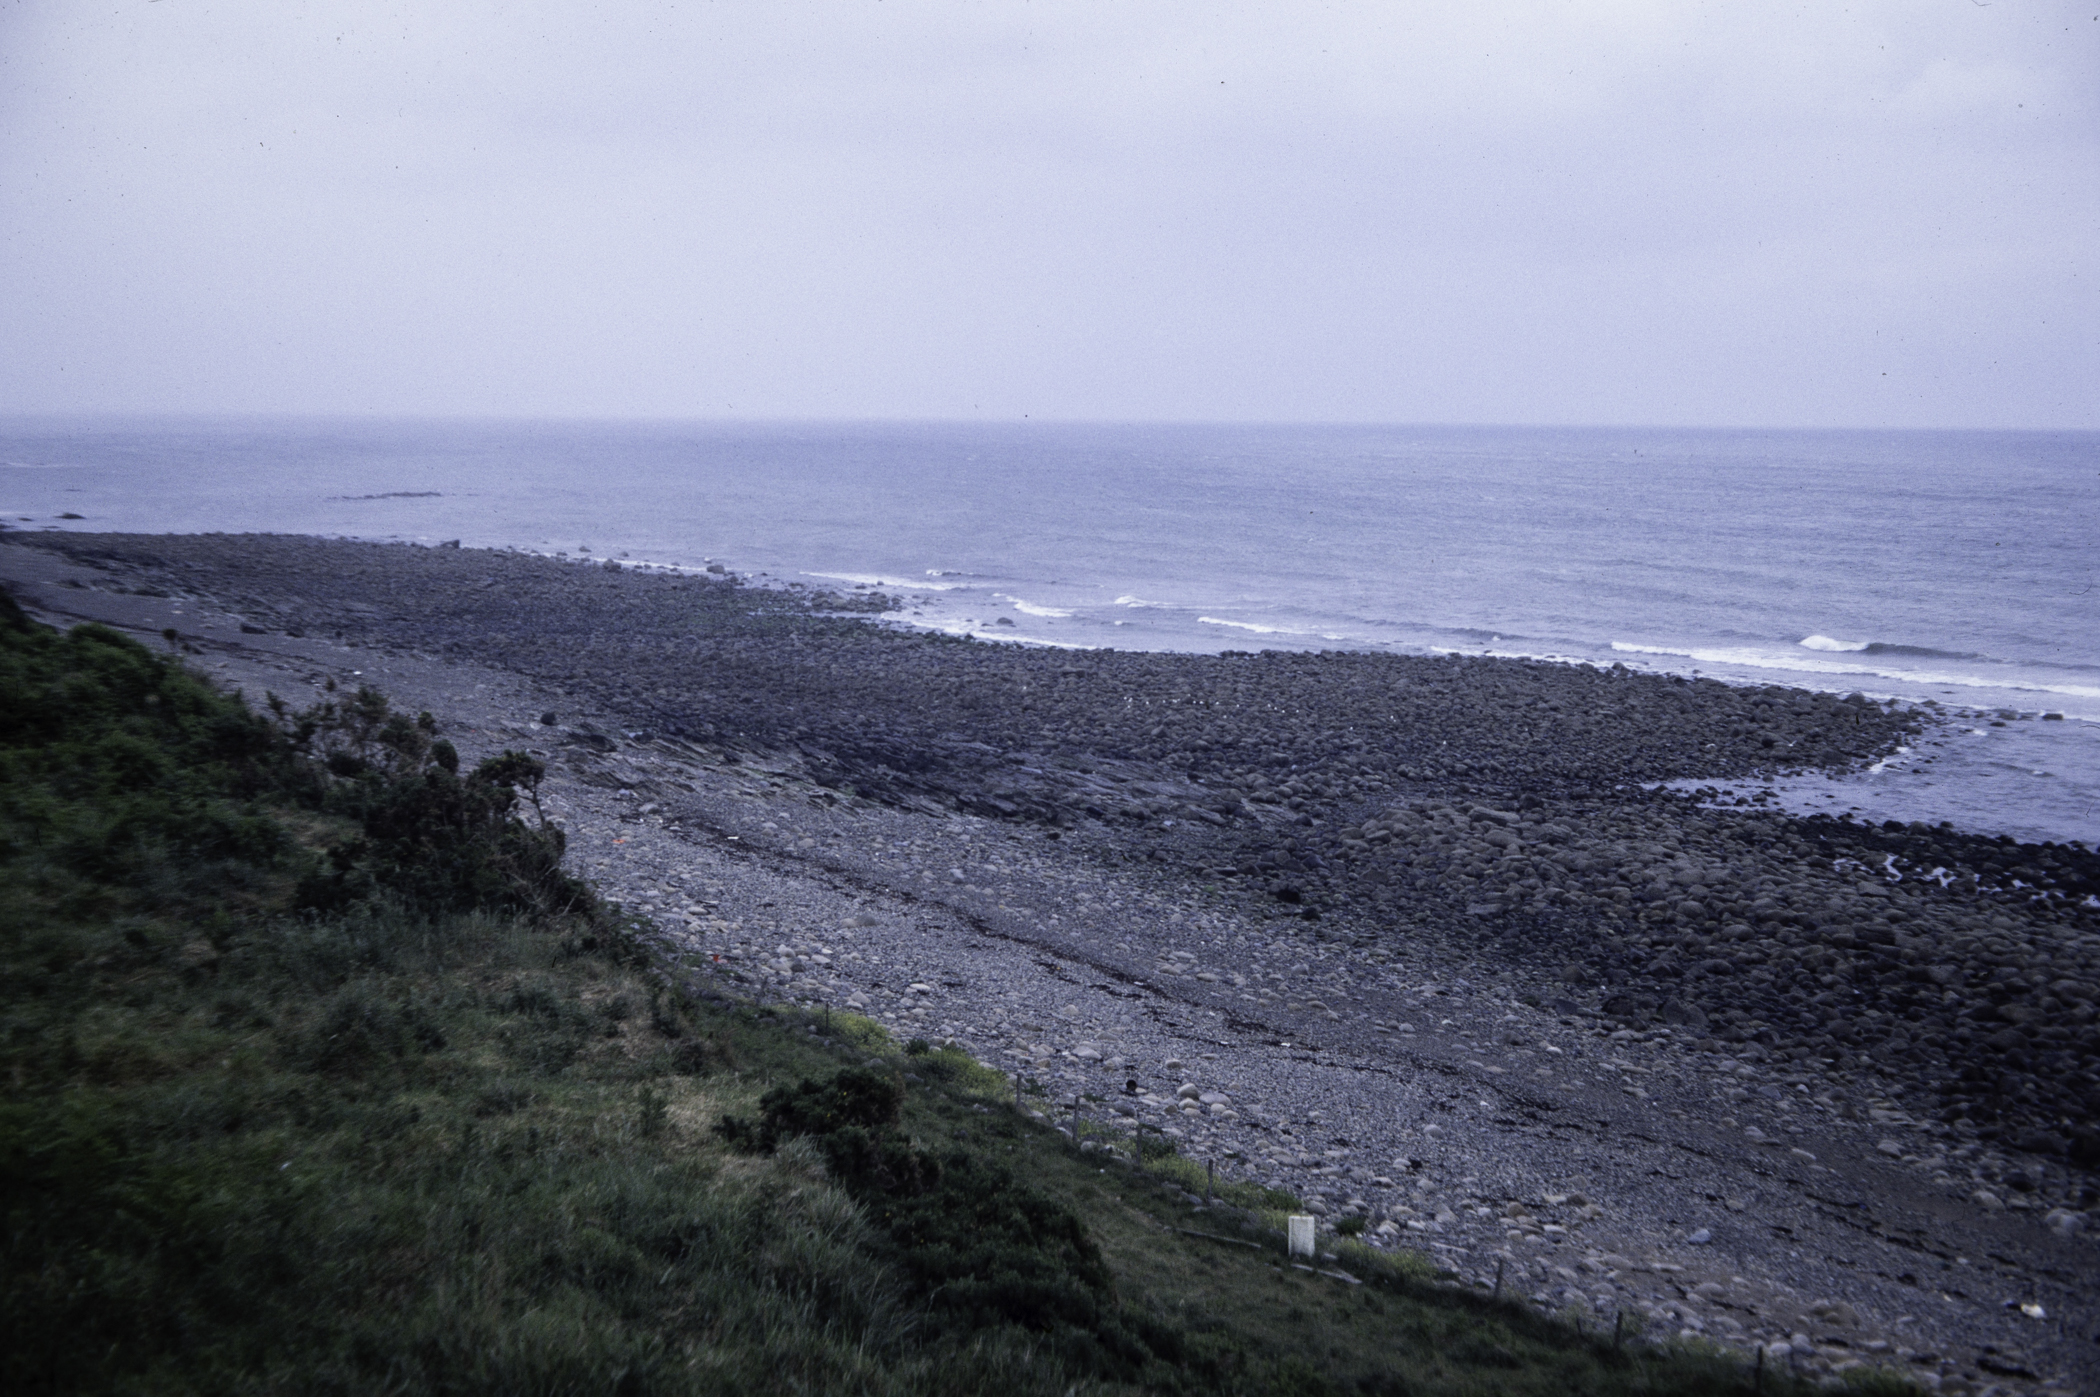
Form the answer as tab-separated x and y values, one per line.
1493	808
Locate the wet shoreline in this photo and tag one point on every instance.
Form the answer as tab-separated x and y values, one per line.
1403	869
1493	806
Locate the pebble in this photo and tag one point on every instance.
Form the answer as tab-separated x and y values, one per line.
1809	939
1810	960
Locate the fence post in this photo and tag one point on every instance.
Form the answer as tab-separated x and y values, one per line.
1210	1179
1498	1277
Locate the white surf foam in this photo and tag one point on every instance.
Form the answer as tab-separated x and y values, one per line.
986	633
1541	656
1248	626
1029	608
1801	664
1897	757
649	565
876	579
1824	642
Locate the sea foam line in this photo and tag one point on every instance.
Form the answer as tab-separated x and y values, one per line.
1249	626
1552	657
1759	659
975	632
1029	608
876	579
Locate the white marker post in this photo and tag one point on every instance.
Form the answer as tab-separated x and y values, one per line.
1301	1235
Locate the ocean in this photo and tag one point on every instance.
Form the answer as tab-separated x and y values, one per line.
1957	568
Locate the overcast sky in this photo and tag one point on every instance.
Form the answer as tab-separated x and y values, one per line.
1759	213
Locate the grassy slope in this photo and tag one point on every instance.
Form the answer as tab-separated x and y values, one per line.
397	1146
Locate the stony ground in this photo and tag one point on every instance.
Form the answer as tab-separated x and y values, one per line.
1704	1067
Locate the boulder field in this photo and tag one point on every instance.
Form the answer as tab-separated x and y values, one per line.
1498	808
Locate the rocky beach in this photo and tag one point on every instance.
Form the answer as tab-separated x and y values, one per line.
1418	939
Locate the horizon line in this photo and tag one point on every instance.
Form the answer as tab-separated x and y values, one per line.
85	415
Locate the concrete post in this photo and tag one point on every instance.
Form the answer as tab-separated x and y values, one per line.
1301	1235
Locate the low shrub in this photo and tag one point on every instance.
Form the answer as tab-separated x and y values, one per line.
983	1250
122	770
957	1070
861	1033
1191	1174
437	839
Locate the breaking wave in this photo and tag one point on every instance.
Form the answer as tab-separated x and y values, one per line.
875	579
1029	608
1750	658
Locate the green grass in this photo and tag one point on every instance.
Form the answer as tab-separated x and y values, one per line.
305	1096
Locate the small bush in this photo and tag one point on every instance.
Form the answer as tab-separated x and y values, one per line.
852	1118
994	1252
957	1070
862	1034
441	841
856	1099
1192	1175
1154	1148
360	1030
984	1250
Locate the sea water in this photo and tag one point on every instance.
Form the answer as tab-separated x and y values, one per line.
1955	567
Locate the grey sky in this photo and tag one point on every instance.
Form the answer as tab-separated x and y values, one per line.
1874	214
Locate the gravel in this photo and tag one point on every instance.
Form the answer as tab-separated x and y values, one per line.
1408	937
